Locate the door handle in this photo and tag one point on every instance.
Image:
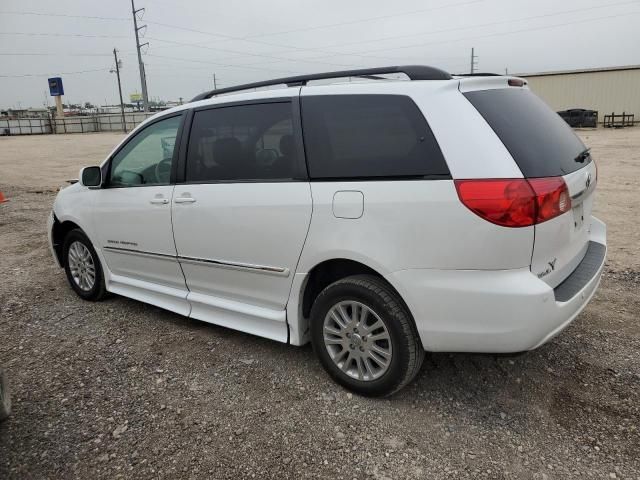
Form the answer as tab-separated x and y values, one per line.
159	201
184	200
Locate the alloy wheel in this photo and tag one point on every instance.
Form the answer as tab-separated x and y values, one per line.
81	265
357	340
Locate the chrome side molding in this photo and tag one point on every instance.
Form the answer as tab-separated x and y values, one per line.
140	253
269	270
236	265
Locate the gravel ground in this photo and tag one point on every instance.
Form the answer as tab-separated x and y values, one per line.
119	389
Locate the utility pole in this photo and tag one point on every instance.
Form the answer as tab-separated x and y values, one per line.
215	85
115	56
474	62
143	76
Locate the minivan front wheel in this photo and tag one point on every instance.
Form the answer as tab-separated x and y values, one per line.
82	266
364	336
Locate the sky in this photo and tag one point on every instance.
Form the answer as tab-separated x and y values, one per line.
249	40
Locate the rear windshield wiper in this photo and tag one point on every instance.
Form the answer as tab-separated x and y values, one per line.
583	156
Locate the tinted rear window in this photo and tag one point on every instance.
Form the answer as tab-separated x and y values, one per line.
244	142
539	140
368	136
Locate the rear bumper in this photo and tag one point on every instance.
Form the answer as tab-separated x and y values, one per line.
497	311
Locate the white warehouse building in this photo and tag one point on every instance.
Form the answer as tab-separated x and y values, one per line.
607	90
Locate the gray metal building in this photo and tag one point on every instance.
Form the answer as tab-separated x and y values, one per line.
613	89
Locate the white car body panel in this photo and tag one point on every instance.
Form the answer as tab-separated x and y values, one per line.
251	234
147	278
241	254
562	241
409	224
129	223
169	298
240	243
498	311
248	318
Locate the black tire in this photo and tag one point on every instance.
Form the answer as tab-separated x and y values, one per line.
5	399
407	351
98	290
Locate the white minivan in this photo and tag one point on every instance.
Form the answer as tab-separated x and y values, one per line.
377	217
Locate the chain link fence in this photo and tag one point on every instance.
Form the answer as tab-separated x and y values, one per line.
76	124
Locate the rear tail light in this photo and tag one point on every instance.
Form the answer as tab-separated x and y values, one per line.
515	202
509	203
552	197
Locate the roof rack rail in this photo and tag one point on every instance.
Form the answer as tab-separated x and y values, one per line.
414	72
480	74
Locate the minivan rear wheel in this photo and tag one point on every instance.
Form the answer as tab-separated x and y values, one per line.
365	337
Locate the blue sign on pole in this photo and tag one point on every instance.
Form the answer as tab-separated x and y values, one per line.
55	87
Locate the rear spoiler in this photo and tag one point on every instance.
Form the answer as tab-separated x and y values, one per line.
469	83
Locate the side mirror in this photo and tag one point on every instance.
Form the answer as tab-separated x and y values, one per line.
91	177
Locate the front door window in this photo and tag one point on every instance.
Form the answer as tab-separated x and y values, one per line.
146	159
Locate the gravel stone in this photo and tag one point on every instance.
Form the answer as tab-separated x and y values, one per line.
444	425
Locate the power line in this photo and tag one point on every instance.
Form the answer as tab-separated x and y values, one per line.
54	54
432	32
256	67
480	25
168	66
222	64
331	25
475	37
294	48
459	39
529	29
308	59
250	54
364	20
231	37
265	55
366	53
55	73
40	14
30	34
253	66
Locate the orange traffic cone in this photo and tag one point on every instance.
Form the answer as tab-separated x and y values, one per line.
3	198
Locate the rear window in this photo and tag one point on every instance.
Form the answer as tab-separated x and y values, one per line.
368	136
242	142
539	140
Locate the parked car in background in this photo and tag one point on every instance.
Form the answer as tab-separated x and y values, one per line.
579	117
376	218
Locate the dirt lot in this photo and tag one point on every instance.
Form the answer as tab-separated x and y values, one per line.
119	389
